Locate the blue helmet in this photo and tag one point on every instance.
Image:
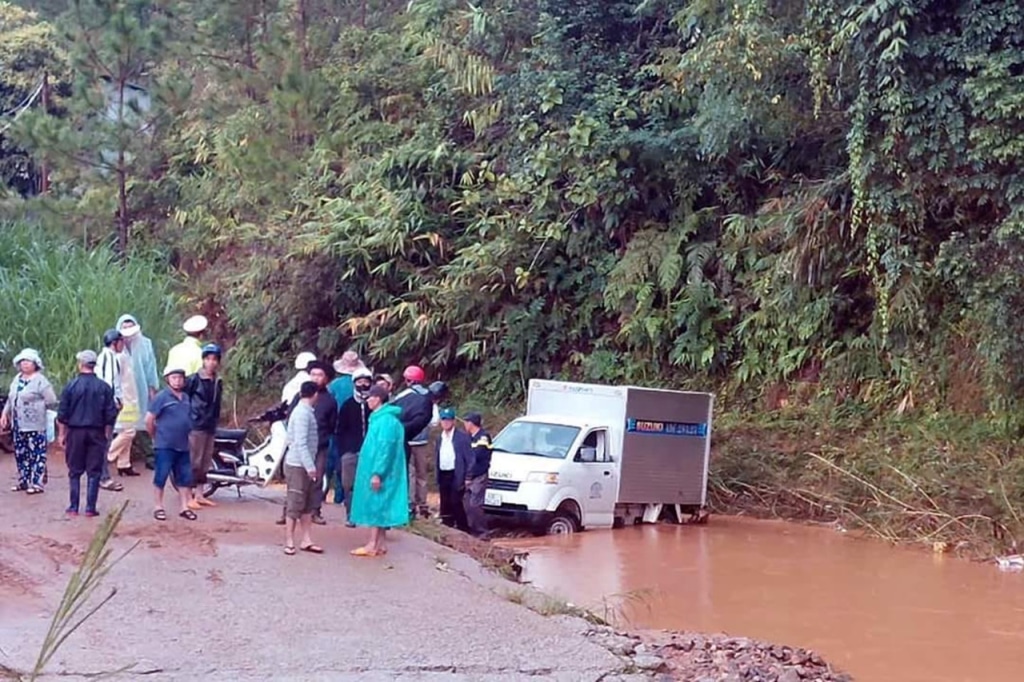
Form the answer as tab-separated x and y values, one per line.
211	349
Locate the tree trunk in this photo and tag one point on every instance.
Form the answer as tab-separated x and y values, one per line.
301	26
44	169
122	207
122	179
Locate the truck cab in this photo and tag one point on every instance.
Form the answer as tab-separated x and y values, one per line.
553	473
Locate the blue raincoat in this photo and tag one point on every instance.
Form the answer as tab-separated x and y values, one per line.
382	454
140	349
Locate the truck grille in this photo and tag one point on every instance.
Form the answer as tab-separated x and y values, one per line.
507	486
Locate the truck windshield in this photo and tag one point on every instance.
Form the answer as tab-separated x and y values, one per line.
535	438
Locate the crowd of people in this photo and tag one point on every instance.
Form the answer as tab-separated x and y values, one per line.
349	431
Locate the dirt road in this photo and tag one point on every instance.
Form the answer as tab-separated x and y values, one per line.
217	599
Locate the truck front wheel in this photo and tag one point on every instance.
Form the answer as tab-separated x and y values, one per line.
562	523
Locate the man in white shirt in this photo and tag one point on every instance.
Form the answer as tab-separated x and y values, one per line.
291	389
451	463
108	368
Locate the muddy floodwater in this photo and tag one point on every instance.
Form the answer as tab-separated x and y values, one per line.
881	613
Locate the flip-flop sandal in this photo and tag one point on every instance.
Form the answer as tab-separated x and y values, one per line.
160	515
362	551
188	514
33	491
312	549
112	486
290	551
19	488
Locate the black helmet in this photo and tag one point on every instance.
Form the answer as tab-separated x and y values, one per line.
211	349
438	389
110	337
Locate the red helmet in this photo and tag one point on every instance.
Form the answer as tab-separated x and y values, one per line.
414	374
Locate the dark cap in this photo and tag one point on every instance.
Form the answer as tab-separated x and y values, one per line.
316	364
474	418
379	392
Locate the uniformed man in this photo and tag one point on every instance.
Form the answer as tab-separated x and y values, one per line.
476	476
86	421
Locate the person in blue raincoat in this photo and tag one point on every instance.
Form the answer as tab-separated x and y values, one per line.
140	349
380	495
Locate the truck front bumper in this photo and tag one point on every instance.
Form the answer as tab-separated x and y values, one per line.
518	515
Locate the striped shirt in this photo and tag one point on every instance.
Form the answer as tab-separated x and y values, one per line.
108	368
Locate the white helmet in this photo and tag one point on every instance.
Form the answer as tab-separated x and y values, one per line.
303	359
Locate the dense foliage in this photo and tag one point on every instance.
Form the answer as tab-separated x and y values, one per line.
759	190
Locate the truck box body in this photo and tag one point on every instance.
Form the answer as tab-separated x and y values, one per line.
666	447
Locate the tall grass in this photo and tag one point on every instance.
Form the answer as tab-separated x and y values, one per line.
59	298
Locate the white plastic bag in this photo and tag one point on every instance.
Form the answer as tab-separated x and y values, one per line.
51	426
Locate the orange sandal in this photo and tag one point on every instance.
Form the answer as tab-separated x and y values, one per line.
362	551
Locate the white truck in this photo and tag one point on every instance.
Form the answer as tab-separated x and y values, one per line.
592	456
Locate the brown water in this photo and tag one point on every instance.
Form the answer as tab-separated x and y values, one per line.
881	613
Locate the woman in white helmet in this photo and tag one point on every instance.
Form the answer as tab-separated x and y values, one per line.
291	389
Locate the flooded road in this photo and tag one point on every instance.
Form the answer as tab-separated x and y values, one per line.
880	613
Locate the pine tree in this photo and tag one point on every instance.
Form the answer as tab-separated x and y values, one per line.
120	97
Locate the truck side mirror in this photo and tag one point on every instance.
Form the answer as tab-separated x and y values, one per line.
588	454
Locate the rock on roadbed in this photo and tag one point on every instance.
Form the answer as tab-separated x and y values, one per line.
719	658
712	658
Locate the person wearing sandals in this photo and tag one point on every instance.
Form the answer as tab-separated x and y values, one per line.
300	471
25	413
380	495
205	390
108	369
86	421
169	422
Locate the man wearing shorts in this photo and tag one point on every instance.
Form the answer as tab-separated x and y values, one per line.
169	422
204	391
300	471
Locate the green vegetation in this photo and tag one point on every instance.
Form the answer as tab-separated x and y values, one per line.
758	196
59	298
945	481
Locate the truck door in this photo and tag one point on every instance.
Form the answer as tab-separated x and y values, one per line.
597	480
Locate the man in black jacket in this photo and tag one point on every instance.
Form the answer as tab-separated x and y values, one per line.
86	421
204	390
476	476
419	413
353	420
453	455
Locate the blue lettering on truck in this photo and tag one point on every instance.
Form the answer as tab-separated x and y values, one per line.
666	428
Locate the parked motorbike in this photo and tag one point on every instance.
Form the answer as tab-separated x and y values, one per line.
235	464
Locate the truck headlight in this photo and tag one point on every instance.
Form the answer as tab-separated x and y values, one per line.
549	478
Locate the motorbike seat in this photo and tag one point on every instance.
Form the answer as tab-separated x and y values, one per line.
233	435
